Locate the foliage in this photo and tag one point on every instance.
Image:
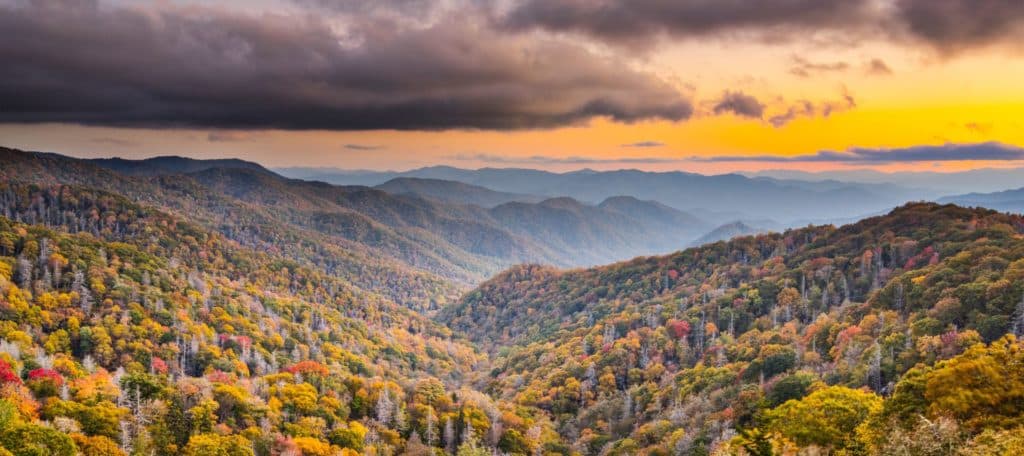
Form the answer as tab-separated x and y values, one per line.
248	326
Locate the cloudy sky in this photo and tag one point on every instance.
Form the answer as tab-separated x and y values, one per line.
701	85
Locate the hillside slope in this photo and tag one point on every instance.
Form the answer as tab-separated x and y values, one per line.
1006	201
453	192
756	198
126	330
417	251
679	353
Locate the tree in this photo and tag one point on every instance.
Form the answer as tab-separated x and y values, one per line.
826	418
991	442
218	445
794	386
982	388
96	445
385	408
25	439
351	437
1018	319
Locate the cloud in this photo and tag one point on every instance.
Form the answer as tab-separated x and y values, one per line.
164	65
111	141
805	68
572	160
990	151
226	136
743	105
955	25
878	67
644	144
414	7
946	25
807	108
642	23
362	147
740	104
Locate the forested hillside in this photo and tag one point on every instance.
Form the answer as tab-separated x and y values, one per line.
882	337
453	192
228	310
124	330
418	251
785	201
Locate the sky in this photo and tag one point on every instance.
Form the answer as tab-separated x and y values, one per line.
697	85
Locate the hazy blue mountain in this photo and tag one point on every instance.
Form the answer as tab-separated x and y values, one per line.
657	216
784	201
621	228
978	180
453	192
726	232
393	243
1005	201
339	176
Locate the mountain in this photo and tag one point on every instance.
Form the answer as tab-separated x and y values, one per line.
726	232
172	165
269	227
188	309
1006	201
652	212
759	341
414	250
126	329
944	183
622	228
452	192
754	198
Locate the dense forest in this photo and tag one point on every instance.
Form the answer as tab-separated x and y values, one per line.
895	335
213	313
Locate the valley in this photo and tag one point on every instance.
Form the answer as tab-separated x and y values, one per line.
180	306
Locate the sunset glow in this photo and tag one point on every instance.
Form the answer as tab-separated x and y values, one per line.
809	87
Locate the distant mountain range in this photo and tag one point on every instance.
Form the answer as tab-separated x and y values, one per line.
1005	201
453	192
727	232
976	180
785	202
411	245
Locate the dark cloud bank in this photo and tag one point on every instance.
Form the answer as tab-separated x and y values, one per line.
76	62
160	65
947	25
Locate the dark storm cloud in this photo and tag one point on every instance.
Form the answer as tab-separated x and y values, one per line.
72	61
740	104
954	25
946	25
990	151
639	22
418	7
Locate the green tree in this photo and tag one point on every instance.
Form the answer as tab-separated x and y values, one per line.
982	388
826	418
218	445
